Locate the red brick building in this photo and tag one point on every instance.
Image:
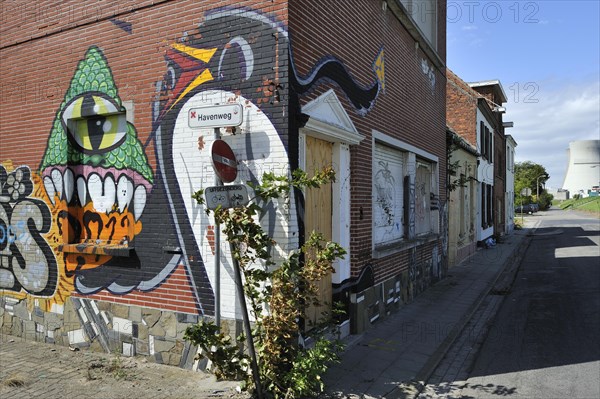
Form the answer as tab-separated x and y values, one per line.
105	132
474	111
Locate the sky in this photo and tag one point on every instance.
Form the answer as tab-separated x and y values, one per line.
546	55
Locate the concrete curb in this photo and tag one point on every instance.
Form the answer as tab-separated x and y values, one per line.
414	388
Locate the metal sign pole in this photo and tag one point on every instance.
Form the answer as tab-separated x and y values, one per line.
225	167
247	328
217	254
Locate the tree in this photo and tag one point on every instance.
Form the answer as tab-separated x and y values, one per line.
278	295
533	176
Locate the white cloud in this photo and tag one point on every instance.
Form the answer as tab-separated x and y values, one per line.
544	129
476	42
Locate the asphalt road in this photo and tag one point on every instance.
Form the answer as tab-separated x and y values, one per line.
545	339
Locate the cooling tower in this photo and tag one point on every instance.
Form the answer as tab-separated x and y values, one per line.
583	171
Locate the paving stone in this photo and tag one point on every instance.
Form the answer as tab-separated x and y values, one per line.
55	372
421	332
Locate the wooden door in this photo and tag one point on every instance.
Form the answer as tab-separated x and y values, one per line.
317	217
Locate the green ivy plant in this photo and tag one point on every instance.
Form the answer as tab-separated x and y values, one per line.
278	296
453	167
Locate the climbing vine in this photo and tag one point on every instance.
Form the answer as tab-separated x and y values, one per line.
278	295
454	143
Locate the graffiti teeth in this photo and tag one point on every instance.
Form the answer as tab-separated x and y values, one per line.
57	181
68	184
98	189
139	202
59	184
102	193
82	190
49	188
124	193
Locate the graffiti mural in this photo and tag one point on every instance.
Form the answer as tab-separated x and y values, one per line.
213	66
27	264
208	67
95	216
385	183
96	179
331	69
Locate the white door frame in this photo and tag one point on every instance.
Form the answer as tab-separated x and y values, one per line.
329	122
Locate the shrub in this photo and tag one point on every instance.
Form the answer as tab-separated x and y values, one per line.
278	295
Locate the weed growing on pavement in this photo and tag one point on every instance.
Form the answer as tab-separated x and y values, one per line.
15	380
118	369
279	295
518	224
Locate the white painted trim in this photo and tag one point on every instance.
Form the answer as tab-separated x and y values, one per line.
404	146
329	120
302	150
341	219
332	133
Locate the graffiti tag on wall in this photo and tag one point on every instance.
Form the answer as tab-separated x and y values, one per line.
27	263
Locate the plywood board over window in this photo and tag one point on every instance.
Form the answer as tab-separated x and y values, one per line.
318	217
423	191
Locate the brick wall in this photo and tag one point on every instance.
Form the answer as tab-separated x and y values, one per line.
156	248
113	222
411	109
461	108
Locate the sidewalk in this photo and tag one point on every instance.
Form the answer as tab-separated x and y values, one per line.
30	369
396	358
392	360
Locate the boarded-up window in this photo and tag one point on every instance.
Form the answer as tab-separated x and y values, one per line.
423	198
387	195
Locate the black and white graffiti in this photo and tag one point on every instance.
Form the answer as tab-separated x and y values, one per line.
26	261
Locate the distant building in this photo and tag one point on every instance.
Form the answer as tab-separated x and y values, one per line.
474	111
509	201
559	193
462	185
494	94
583	170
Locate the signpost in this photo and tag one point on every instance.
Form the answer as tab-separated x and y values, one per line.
525	192
225	166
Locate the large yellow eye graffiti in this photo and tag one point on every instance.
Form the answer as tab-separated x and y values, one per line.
94	123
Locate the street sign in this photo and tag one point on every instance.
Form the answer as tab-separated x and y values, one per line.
526	192
216	116
226	196
223	161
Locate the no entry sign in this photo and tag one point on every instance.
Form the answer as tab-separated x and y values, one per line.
223	161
